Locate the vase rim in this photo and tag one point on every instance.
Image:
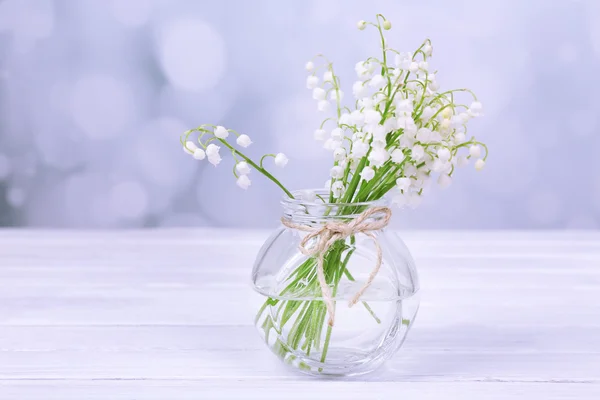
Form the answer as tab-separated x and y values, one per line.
310	197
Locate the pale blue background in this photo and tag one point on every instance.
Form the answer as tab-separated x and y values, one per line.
94	95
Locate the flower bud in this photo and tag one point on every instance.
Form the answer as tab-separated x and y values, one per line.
243	141
479	164
387	25
361	25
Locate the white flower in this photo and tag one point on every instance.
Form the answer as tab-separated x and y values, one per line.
359	90
387	25
312	82
358	135
413	67
328	76
367	173
445	125
372	117
214	159
476	109
357	118
444	180
461	161
242	168
367	103
243	140
408	124
457	121
435	137
337	134
327	184
359	149
427	49
417	152
390	124
199	154
404	106
378	157
309	66
212	149
319	93
378	143
212	152
336	95
332	144
475	151
320	134
434	85
190	147
446	112
427	113
345	119
339	154
244	182
465	117
479	164
379	132
444	154
406	141
403	183
337	189
423	135
423	65
336	172
323	105
403	60
361	25
281	160
410	170
363	69
377	82
221	132
397	156
441	166
460	137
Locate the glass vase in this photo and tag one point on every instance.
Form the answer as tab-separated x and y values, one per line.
294	320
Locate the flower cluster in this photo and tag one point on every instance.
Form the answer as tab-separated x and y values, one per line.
398	131
401	129
206	146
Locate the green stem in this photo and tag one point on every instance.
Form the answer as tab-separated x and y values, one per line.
257	167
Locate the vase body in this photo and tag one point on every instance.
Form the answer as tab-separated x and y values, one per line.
293	320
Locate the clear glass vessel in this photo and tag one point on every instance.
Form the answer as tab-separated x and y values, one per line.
293	320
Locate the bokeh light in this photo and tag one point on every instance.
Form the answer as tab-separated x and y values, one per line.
191	54
94	96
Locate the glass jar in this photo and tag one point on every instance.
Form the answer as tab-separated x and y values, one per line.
294	319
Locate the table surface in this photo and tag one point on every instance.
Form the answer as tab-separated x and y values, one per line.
167	314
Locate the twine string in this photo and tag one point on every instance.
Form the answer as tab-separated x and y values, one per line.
326	235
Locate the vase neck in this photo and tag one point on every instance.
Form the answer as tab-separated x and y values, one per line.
307	207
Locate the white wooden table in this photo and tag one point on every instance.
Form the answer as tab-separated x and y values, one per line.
168	314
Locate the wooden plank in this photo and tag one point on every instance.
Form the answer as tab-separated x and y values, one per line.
504	315
252	389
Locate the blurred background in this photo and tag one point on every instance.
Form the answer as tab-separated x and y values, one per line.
95	93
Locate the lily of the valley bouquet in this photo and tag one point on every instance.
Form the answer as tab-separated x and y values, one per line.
388	140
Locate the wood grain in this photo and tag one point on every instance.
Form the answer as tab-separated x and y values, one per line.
131	314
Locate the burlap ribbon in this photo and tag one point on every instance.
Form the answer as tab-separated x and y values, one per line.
326	235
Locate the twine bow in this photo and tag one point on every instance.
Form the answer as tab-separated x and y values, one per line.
331	232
